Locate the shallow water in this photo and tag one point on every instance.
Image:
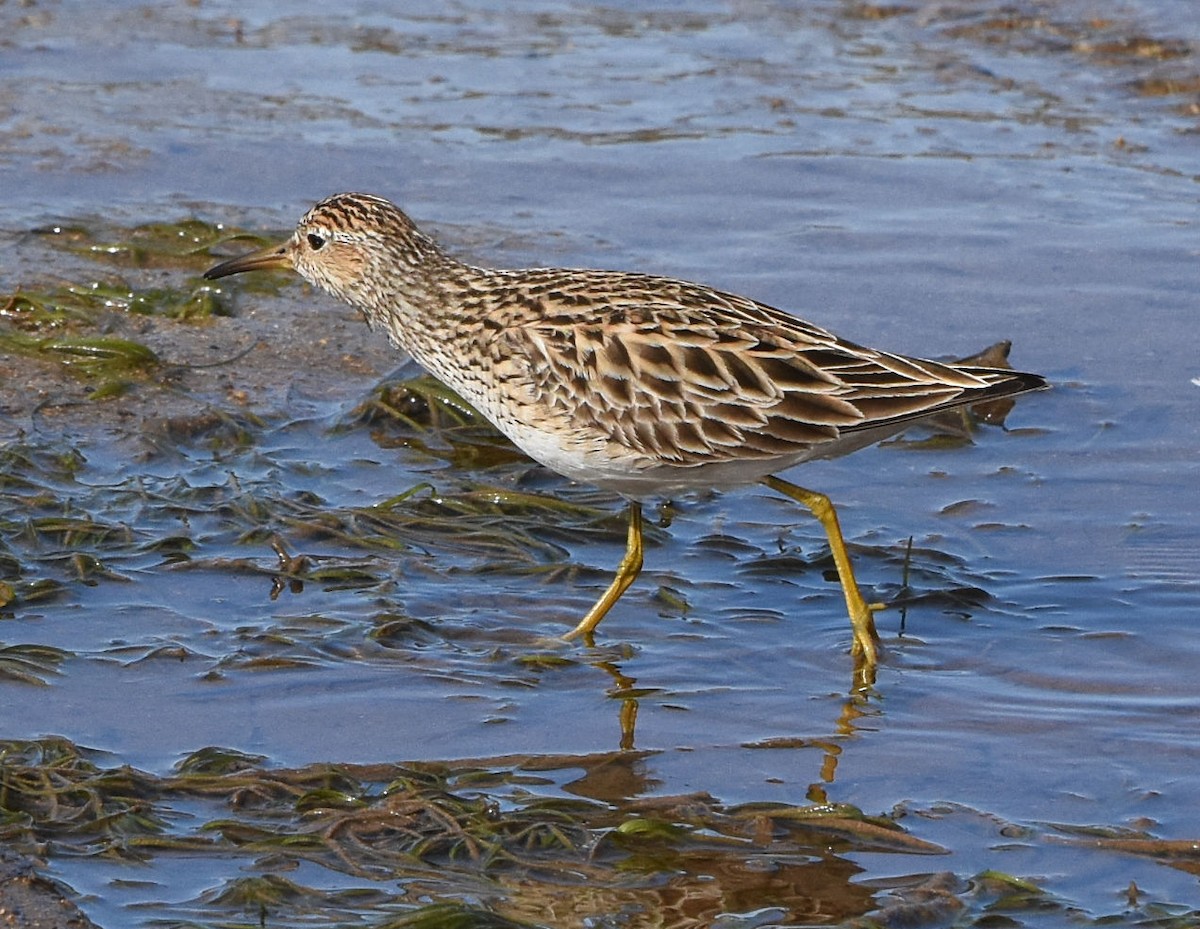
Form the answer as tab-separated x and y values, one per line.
928	180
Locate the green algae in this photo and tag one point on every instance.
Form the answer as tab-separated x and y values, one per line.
72	322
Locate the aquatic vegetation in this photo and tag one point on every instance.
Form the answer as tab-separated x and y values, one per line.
187	242
71	322
82	305
498	826
28	664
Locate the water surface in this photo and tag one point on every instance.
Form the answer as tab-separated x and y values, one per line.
925	178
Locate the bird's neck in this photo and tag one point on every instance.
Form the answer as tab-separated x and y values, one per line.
426	308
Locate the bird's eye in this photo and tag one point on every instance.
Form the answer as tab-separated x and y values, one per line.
316	242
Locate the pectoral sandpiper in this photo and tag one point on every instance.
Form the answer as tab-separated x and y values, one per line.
644	385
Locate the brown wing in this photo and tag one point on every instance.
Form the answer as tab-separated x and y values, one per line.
707	376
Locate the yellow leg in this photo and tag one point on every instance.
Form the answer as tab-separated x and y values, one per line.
627	571
866	639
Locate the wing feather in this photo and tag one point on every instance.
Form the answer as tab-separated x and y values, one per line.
678	374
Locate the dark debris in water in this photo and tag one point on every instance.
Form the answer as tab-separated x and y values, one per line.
416	840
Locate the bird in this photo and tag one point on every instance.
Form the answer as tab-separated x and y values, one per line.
641	384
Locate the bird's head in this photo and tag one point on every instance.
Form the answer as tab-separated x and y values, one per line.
355	246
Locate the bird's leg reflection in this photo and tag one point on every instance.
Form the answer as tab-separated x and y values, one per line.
624	691
853	708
